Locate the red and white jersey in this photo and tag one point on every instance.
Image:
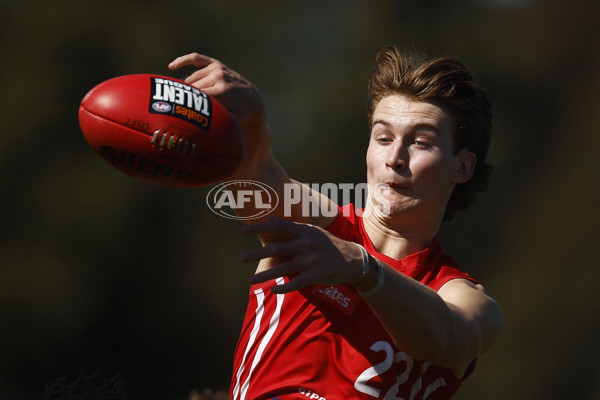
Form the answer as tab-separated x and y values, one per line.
325	343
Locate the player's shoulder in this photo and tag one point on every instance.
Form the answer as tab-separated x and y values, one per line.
460	284
343	222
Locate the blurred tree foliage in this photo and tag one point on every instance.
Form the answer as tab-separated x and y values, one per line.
101	272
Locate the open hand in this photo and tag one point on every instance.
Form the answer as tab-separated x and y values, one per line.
231	89
315	256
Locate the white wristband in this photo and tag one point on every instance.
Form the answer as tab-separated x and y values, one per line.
365	266
379	284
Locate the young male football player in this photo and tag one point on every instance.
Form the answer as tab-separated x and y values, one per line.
365	305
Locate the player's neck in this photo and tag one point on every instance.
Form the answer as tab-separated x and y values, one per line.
398	237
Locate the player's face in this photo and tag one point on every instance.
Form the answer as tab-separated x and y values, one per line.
411	150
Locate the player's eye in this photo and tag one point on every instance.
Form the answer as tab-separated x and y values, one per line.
422	143
384	140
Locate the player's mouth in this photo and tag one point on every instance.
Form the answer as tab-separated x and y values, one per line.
397	186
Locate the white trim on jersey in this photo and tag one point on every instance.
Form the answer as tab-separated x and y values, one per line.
260	297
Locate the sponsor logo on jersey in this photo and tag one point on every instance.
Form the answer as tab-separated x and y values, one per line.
339	296
181	101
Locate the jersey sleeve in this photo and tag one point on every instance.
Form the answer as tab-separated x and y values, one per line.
448	271
343	226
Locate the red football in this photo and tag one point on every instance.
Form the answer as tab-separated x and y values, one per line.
161	130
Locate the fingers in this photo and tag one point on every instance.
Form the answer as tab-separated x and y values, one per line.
228	87
289	269
284	269
211	75
277	225
202	80
195	59
308	253
277	249
296	283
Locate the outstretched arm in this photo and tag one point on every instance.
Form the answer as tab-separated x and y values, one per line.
246	104
449	328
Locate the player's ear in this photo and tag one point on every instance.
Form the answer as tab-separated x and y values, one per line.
466	166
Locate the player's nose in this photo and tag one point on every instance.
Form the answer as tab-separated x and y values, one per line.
397	157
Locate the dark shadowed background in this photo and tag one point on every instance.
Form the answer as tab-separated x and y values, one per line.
99	272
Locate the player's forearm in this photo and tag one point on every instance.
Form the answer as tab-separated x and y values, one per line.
266	170
415	316
257	138
260	165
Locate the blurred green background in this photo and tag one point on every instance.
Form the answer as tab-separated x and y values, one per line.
102	272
